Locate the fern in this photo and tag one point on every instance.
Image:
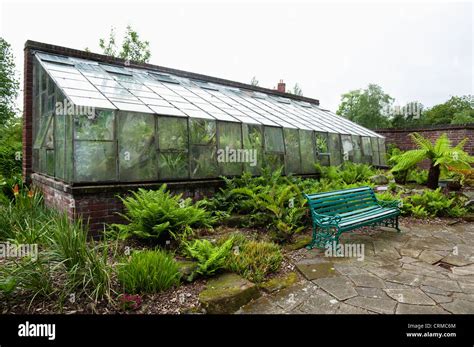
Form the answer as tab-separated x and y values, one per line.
210	257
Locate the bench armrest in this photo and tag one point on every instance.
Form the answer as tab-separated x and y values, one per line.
325	220
393	203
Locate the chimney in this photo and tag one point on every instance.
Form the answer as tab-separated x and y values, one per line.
281	86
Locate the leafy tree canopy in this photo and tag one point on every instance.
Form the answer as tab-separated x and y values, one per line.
457	110
132	47
367	107
8	83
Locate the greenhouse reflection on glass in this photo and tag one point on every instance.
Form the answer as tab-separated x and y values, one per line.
98	123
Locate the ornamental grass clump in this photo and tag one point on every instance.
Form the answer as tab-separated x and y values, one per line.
148	272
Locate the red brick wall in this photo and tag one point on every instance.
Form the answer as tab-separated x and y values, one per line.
400	138
100	205
27	115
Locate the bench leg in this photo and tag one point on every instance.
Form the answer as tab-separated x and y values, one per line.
313	240
397	225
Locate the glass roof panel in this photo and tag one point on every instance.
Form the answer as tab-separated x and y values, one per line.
132	88
124	106
54	58
167	111
89	102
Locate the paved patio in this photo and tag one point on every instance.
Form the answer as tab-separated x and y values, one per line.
424	269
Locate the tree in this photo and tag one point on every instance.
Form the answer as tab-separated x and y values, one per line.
463	117
132	48
297	90
441	155
367	107
446	113
8	83
254	81
407	116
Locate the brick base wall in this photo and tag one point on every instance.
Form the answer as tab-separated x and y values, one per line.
400	138
100	205
456	133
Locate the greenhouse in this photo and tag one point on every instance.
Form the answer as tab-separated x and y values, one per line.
96	122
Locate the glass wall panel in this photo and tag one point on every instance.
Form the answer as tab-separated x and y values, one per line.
274	140
98	127
322	149
253	140
95	161
347	147
375	151
274	161
366	150
59	143
382	151
50	162
335	149
308	154
357	155
292	155
230	155
69	160
173	148
203	150
137	147
202	132
203	162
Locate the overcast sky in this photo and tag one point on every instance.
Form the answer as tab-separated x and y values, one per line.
420	51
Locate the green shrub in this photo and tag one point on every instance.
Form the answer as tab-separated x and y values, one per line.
86	265
255	260
24	219
148	272
10	147
434	203
210	257
157	214
418	176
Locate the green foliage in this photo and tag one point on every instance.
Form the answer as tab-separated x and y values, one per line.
148	272
255	260
456	110
132	47
86	266
254	81
417	175
24	219
210	257
432	203
410	115
348	173
11	148
464	117
441	154
8	82
366	106
157	214
275	205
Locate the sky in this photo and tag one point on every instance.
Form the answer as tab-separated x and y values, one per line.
414	51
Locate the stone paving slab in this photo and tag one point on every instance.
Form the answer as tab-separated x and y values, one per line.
340	287
412	296
377	305
367	281
400	274
418	309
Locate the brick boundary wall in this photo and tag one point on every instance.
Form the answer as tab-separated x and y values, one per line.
456	133
100	205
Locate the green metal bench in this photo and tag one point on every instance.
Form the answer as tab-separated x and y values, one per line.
336	212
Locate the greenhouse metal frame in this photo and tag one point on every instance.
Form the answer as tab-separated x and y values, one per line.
128	124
